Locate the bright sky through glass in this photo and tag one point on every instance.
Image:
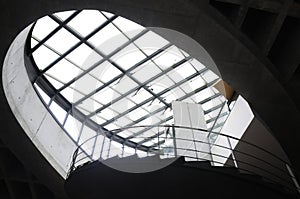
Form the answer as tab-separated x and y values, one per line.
118	74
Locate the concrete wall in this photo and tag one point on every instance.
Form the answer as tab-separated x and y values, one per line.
32	115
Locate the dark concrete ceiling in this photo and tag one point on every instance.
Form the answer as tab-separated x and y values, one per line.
254	43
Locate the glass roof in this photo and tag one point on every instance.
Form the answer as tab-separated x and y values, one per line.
117	74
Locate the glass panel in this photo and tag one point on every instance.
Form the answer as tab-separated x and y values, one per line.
73	126
53	82
128	57
83	110
140	96
128	27
123	121
211	103
204	94
43	95
161	84
64	15
98	119
146	71
84	56
198	66
87	21
182	72
88	138
123	105
62	41
209	76
168	58
33	42
153	106
137	114
151	42
107	14
71	95
107	114
106	95
108	39
43	57
111	126
43	27
105	72
173	95
64	71
86	84
90	105
125	85
193	84
59	113
98	146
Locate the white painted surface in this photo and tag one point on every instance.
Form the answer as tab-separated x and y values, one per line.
32	115
237	123
189	142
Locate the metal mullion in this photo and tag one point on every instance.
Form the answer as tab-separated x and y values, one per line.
217	117
126	72
59	54
152	98
146	116
182	98
218	125
108	56
144	52
134	89
130	76
197	90
81	39
213	109
60	26
210	98
101	61
60	58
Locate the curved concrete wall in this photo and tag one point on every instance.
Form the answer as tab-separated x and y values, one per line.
33	116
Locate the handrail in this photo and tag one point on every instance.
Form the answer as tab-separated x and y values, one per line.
190	128
285	177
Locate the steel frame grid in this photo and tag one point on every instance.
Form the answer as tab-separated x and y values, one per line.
63	24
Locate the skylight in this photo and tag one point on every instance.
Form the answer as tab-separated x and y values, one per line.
114	73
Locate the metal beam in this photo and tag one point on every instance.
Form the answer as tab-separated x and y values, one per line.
81	39
60	26
103	60
169	118
84	40
152	98
120	76
269	6
277	26
243	10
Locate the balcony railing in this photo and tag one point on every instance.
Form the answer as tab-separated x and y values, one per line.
193	144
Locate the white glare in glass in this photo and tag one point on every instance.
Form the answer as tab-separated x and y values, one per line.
87	21
128	27
43	27
62	41
59	113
